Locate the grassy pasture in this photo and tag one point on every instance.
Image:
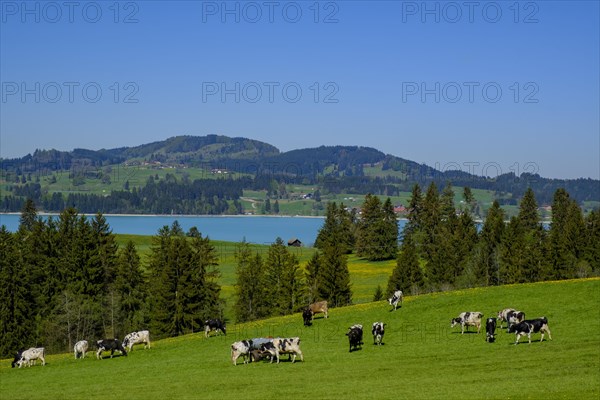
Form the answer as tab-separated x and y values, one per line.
422	357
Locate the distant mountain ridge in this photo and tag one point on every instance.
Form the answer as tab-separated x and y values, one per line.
335	167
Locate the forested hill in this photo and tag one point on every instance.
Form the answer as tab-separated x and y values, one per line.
332	169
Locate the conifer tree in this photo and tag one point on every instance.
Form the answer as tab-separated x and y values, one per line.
130	286
407	275
528	211
339	223
250	288
486	252
377	230
313	273
334	281
182	284
415	211
202	288
17	327
591	249
512	257
284	276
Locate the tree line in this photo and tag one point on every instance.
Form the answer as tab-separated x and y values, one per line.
66	279
442	247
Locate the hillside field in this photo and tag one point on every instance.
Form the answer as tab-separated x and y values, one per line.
422	357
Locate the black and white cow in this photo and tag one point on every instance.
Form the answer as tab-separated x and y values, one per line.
307	316
490	330
241	348
378	331
503	316
32	354
530	326
355	336
396	298
17	358
467	319
288	346
515	317
214	325
136	338
80	349
111	345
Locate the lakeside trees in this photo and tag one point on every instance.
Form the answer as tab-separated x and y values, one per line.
451	253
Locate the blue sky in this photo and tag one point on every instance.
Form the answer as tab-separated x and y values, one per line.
488	87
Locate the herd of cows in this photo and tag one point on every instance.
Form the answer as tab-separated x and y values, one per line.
272	348
515	320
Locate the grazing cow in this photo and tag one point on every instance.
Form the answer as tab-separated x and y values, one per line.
241	348
319	307
490	330
214	325
396	298
17	358
378	330
270	349
467	319
287	346
514	317
109	344
503	316
80	348
530	326
307	316
355	335
135	338
32	354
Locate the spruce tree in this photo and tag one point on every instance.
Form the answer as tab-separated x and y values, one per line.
372	215
591	248
377	230
313	273
528	211
486	252
250	288
407	275
17	308
130	287
415	211
182	281
284	276
202	289
334	281
338	223
512	253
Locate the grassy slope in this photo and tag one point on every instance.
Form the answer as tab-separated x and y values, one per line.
422	357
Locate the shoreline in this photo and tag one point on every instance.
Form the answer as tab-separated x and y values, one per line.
179	215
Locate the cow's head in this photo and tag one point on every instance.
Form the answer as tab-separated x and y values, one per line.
455	321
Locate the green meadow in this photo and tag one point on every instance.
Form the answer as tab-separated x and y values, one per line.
422	358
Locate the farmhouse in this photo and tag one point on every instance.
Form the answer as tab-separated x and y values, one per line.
295	242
